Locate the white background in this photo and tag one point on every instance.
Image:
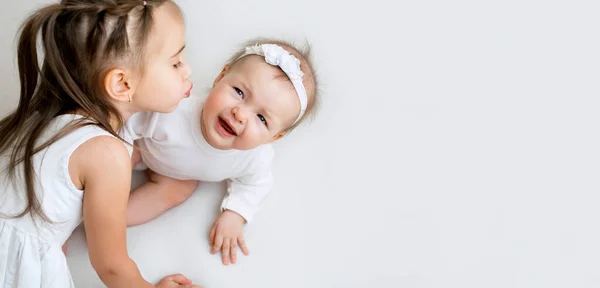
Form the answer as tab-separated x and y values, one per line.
457	145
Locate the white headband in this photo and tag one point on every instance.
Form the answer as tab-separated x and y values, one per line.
277	56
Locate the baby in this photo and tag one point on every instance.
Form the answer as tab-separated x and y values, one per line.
262	93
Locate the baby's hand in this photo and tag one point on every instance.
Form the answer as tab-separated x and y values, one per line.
227	233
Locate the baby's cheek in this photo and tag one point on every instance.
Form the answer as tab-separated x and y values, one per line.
256	136
211	106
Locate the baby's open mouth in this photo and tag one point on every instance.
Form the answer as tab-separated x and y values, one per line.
227	127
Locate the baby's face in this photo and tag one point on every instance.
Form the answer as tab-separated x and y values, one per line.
251	104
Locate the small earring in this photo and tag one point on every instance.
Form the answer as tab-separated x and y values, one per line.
130	100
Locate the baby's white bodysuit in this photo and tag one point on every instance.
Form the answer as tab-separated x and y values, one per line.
172	145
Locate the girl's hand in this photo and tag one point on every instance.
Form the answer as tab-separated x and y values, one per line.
176	280
226	234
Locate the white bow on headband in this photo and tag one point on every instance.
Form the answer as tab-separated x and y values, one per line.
277	56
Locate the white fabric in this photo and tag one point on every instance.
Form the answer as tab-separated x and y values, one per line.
277	56
175	148
30	250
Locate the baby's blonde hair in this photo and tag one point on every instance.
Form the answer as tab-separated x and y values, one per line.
309	80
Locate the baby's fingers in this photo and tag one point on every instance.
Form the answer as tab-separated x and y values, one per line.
217	244
233	250
211	236
225	251
243	246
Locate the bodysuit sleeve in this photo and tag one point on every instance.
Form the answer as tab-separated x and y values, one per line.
245	193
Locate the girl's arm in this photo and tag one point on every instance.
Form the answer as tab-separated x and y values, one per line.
102	166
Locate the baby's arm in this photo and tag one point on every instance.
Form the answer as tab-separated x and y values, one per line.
156	196
102	166
239	206
244	194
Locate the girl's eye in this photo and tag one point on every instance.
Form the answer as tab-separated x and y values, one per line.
239	92
179	64
262	119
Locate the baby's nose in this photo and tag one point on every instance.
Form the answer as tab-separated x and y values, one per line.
239	114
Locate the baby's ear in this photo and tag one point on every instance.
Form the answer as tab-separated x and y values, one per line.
278	136
222	74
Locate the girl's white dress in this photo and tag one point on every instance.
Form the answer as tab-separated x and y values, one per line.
30	249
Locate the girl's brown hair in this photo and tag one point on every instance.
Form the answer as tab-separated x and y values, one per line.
81	41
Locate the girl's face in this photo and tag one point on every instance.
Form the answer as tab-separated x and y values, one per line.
165	75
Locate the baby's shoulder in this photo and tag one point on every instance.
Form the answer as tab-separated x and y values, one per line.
257	162
256	159
263	154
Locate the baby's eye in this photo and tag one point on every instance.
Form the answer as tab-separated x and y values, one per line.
239	92
262	119
178	64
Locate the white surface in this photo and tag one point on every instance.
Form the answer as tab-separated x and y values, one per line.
457	146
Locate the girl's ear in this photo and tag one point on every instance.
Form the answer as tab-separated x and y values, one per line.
117	87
